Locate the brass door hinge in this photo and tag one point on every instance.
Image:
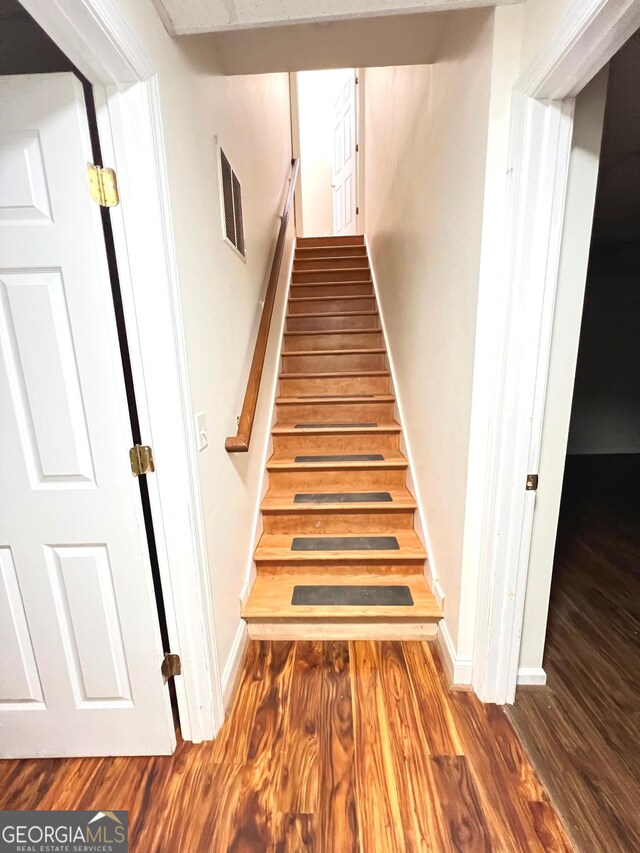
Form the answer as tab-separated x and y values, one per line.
357	211
141	459
170	667
532	482
103	185
357	147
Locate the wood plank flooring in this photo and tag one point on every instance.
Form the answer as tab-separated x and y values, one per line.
583	730
330	746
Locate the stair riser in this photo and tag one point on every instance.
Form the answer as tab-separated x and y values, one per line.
338	523
391	628
324	445
331	275
302	291
330	262
334	413
367	569
351	240
330	306
333	480
332	324
320	252
336	340
320	363
335	385
314	566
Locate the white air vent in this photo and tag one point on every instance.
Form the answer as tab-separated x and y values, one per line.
233	225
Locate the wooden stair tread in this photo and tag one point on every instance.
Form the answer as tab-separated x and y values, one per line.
270	598
330	283
372	351
276	502
332	399
287	463
325	298
334	374
338	269
290	429
330	257
311	332
328	246
276	548
318	315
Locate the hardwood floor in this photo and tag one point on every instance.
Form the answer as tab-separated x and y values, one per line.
330	746
583	730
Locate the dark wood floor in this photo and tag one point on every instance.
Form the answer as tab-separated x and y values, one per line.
583	730
331	747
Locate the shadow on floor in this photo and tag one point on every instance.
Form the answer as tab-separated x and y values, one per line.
582	731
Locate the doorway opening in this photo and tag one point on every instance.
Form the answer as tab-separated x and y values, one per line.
591	654
326	116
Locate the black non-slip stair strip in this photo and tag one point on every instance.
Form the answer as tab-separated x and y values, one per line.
365	595
342	497
345	543
344	457
334	426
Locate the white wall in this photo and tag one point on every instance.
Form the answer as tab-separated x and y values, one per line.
581	190
426	136
541	20
317	92
220	294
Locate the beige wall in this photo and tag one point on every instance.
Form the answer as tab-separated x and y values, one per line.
426	137
576	237
392	40
220	294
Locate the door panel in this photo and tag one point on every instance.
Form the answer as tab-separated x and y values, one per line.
80	648
44	381
344	157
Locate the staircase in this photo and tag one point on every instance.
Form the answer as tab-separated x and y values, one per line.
338	519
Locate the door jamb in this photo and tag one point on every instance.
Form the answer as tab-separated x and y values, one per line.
360	153
515	377
100	43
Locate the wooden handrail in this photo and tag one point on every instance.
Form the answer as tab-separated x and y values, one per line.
239	443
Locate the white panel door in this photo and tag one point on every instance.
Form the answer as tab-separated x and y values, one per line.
80	648
344	156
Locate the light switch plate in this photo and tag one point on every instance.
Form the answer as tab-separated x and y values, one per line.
201	431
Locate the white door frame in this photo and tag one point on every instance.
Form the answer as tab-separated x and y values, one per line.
512	385
96	38
360	151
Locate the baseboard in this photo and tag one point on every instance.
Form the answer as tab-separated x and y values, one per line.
532	675
233	666
458	669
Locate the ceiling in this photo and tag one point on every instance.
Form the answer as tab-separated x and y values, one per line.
183	17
